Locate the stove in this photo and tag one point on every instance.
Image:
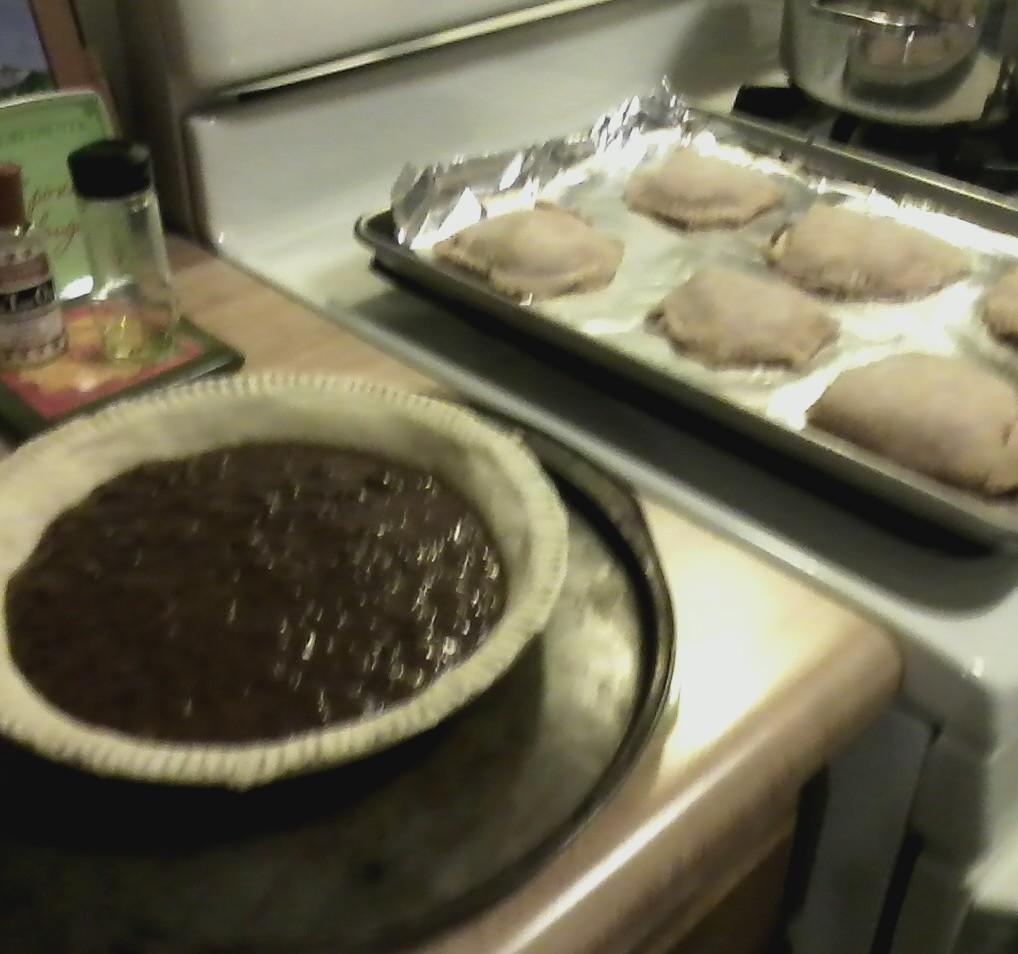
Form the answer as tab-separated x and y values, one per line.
340	132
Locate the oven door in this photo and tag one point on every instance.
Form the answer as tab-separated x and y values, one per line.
951	908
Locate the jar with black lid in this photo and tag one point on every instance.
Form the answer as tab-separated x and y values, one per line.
133	295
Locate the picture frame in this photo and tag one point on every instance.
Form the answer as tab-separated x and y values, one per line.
41	50
38	132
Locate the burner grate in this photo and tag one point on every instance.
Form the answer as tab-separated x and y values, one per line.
986	157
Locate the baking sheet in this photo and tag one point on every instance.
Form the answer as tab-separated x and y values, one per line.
588	173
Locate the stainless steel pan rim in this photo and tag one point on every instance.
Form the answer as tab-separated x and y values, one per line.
864	13
928	64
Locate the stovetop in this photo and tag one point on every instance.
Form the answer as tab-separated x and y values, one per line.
985	156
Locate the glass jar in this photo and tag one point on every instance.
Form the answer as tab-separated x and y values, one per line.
133	298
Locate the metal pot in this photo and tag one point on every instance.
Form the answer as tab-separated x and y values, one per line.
918	63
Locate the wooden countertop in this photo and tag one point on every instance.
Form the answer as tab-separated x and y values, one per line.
774	677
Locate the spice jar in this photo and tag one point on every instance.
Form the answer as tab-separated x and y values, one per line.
133	298
31	323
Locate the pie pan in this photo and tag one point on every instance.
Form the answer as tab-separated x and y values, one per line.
491	469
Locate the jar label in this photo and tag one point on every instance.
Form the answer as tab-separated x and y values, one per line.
19	272
31	322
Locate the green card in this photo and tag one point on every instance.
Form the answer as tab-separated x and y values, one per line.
38	133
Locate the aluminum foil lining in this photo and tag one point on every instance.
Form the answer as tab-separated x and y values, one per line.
588	173
433	203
